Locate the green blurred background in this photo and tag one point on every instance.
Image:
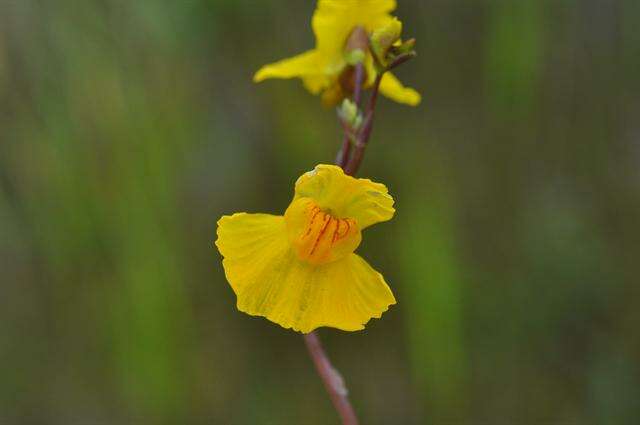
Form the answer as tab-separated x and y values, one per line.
127	128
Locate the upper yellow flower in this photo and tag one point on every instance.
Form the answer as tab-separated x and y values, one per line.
299	270
321	68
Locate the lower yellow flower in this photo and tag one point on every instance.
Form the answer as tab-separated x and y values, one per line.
322	69
300	270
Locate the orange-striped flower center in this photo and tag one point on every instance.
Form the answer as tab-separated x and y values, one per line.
317	236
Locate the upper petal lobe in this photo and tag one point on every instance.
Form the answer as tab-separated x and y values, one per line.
346	197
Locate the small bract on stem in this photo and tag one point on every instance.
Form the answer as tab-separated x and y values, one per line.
349	134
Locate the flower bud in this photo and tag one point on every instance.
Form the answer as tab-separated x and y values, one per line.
383	38
355	50
349	114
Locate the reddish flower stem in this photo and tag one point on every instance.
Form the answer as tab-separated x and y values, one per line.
332	379
363	136
345	150
357	91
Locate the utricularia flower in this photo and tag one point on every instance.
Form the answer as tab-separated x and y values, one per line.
300	270
325	69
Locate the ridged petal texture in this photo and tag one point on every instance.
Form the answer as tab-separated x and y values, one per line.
346	197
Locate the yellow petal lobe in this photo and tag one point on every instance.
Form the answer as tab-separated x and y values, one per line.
344	196
248	242
305	65
392	88
334	20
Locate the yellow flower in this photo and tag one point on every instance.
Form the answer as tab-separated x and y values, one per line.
299	270
321	68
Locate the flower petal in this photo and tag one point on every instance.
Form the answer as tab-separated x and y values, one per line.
344	295
346	197
304	65
270	281
248	243
334	20
391	87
